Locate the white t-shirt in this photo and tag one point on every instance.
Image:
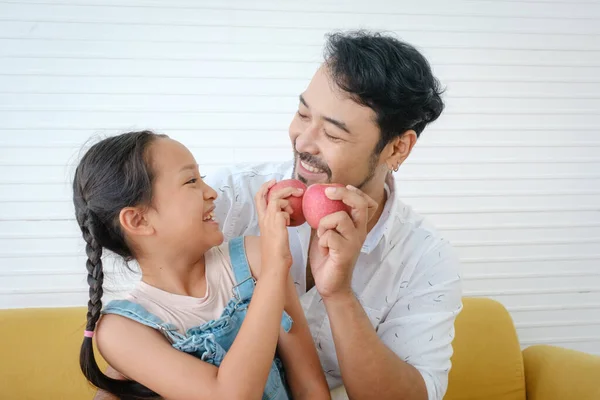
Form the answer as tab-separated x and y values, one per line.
406	277
186	312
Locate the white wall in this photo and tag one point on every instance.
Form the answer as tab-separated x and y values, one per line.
510	173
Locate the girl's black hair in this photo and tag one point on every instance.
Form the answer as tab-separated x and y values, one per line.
113	174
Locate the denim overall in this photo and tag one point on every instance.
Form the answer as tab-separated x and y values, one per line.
211	340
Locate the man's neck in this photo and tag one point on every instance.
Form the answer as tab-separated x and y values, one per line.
379	194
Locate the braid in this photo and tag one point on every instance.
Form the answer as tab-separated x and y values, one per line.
95	276
89	366
106	181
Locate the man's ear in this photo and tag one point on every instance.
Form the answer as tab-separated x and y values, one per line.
399	149
134	222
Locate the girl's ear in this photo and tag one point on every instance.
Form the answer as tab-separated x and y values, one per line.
134	222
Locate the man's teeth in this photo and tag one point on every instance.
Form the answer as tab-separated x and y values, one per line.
210	217
310	168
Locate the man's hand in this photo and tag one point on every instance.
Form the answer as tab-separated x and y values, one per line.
340	239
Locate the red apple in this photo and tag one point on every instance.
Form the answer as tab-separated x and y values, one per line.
317	205
297	217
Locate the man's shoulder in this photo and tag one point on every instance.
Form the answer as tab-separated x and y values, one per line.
248	175
419	254
422	240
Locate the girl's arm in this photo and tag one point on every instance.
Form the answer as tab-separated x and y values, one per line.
142	353
296	347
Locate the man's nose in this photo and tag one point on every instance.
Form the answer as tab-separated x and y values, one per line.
306	142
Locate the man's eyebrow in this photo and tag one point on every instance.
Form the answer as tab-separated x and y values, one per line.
337	123
333	121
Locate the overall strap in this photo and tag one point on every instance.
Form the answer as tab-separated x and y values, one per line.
137	313
241	270
245	283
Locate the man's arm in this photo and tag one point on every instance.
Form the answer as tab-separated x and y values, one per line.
420	326
408	357
369	368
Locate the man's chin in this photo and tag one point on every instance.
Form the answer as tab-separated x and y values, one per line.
309	182
300	178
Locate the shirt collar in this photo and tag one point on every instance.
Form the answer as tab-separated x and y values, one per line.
383	225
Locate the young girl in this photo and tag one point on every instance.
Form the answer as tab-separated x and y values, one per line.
207	317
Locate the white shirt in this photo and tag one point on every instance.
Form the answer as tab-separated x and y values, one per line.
406	277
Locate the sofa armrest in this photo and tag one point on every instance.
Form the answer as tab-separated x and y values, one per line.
554	373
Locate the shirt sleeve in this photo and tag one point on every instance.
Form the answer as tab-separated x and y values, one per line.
233	211
236	187
419	327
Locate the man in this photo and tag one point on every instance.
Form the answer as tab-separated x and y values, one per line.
380	296
380	288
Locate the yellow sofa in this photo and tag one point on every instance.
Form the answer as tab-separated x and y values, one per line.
40	355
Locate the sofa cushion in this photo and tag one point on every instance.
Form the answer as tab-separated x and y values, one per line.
554	373
487	361
40	354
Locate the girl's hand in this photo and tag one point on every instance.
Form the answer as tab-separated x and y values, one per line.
273	219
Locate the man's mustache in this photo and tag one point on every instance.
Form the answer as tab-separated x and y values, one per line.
315	162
